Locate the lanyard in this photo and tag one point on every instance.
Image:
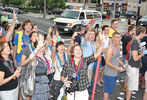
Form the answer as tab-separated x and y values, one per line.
60	60
49	46
117	50
46	62
113	28
129	35
92	46
76	68
9	66
31	47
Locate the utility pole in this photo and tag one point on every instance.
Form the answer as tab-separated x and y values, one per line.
114	9
138	12
44	14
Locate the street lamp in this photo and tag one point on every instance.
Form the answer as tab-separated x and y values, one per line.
44	14
138	12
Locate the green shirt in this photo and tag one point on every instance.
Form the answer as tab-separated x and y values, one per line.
3	18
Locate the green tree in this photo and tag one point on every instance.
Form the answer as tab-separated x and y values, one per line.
56	4
5	2
16	2
38	3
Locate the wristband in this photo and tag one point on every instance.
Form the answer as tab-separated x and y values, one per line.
14	77
72	39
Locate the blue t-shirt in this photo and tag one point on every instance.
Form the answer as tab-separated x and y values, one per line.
25	42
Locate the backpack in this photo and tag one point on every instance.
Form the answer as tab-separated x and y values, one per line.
128	49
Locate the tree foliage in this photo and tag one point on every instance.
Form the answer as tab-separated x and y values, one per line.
56	4
38	3
13	2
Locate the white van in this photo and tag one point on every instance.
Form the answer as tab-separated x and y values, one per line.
70	18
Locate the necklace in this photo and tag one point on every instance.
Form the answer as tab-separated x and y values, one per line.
117	50
9	65
61	64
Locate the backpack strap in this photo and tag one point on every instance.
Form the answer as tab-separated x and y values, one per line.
130	50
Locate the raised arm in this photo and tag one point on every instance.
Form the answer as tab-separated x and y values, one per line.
11	28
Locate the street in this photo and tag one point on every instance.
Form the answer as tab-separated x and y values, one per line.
44	24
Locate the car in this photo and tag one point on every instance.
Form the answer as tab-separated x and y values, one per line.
71	18
55	11
69	7
128	14
143	21
10	18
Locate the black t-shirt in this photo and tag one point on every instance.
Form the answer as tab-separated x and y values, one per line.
12	84
125	40
78	39
135	46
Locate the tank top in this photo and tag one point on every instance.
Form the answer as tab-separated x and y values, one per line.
115	61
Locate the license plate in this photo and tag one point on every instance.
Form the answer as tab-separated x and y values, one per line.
65	29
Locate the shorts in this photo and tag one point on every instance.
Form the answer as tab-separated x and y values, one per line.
79	95
146	82
109	83
133	78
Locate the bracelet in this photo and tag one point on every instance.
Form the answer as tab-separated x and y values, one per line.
72	39
14	77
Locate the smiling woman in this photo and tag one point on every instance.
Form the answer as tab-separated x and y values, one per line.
8	74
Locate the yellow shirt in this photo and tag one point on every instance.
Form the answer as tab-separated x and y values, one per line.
111	31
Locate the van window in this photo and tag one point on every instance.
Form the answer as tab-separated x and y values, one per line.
89	15
82	16
97	15
70	14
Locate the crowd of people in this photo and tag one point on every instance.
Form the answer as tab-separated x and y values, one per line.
52	71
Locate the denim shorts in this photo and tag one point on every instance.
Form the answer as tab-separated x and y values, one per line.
109	83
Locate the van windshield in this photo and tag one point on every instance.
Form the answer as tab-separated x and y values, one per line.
70	14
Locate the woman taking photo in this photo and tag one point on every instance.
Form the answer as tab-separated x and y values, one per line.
76	71
8	74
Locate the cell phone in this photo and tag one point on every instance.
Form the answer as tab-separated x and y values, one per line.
54	30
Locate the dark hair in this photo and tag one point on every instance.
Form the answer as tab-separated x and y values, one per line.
113	21
45	36
103	28
17	26
115	33
131	28
58	44
96	34
139	30
26	22
2	43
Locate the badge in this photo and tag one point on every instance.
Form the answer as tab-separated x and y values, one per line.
74	75
78	77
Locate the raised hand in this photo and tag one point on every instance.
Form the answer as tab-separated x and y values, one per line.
50	30
14	16
17	72
41	42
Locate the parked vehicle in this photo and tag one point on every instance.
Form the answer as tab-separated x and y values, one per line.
128	14
143	21
55	11
70	18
